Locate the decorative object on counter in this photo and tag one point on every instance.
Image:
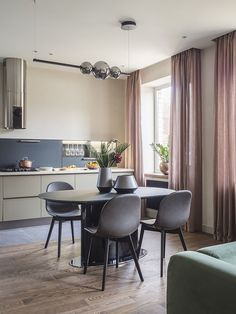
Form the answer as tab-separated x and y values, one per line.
25	163
110	154
93	165
104	182
163	151
125	184
45	169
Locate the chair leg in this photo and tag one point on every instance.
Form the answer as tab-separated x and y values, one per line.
162	252
182	239
59	238
140	241
117	254
88	254
131	245
72	231
164	249
107	242
49	233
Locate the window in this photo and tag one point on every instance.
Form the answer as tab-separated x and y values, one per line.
161	119
155	120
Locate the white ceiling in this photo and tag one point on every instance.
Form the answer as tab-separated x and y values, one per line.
79	30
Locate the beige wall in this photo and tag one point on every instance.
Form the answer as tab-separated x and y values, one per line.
162	69
68	105
156	71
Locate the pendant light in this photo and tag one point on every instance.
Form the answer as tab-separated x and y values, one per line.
100	69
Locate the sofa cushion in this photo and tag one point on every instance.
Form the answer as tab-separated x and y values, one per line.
225	252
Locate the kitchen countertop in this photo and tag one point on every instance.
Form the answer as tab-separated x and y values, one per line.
67	171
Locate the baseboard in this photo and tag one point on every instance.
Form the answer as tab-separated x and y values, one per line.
207	229
25	223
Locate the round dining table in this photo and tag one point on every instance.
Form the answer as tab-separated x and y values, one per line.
91	203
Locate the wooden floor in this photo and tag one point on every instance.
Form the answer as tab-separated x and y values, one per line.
33	281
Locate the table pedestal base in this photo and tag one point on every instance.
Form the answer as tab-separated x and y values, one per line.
76	261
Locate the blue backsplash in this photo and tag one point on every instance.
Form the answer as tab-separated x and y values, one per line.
41	152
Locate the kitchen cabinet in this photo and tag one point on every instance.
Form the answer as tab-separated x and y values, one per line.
19	192
86	181
21	208
19	186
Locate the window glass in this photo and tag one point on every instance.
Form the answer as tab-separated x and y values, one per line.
161	119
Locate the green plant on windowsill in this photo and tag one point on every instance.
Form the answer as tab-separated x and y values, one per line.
164	152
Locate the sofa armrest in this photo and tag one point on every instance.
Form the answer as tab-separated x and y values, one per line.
200	284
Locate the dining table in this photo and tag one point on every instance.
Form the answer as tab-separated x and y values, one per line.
91	203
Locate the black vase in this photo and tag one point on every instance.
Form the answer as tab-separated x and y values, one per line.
104	183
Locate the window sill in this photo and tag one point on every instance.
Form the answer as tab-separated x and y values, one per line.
156	176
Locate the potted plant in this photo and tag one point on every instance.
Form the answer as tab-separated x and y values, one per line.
163	151
109	155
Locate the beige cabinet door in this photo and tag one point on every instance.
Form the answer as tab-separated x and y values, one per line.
21	186
46	179
87	181
21	208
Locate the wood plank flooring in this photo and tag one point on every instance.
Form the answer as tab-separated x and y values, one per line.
33	281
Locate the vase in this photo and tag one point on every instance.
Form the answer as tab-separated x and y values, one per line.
164	167
104	183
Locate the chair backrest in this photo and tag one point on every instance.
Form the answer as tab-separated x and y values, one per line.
59	206
174	210
120	216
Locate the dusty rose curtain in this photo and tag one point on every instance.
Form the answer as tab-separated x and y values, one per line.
185	130
225	138
134	156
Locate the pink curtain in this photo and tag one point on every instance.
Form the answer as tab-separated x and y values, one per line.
185	131
225	138
134	156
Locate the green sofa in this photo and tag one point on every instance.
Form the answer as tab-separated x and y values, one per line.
203	282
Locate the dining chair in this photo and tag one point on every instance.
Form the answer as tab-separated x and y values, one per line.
61	212
120	217
172	215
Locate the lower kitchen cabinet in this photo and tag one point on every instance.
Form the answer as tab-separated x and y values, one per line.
86	181
21	208
21	186
18	194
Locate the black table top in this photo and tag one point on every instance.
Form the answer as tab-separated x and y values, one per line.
93	196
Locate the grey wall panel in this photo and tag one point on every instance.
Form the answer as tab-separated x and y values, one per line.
42	153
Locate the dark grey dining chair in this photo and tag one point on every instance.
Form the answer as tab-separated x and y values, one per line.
61	212
173	214
120	217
